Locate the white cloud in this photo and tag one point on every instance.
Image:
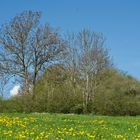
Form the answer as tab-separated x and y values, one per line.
15	90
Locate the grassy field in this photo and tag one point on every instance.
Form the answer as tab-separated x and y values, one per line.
68	127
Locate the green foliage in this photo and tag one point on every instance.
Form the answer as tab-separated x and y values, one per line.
118	95
115	94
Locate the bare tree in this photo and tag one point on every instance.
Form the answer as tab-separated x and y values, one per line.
72	60
87	58
27	48
94	59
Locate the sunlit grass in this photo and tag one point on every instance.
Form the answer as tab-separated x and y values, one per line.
68	127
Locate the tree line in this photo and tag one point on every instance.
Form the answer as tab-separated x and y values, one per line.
71	73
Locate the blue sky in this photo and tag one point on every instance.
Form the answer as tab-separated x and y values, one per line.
118	20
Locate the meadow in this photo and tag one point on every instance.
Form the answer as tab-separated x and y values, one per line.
44	126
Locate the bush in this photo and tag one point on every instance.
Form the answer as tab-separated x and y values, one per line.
77	109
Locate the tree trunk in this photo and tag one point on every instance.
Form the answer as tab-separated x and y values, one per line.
34	82
86	95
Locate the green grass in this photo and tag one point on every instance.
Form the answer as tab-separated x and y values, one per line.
68	127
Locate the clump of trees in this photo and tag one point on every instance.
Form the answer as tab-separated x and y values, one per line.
74	74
